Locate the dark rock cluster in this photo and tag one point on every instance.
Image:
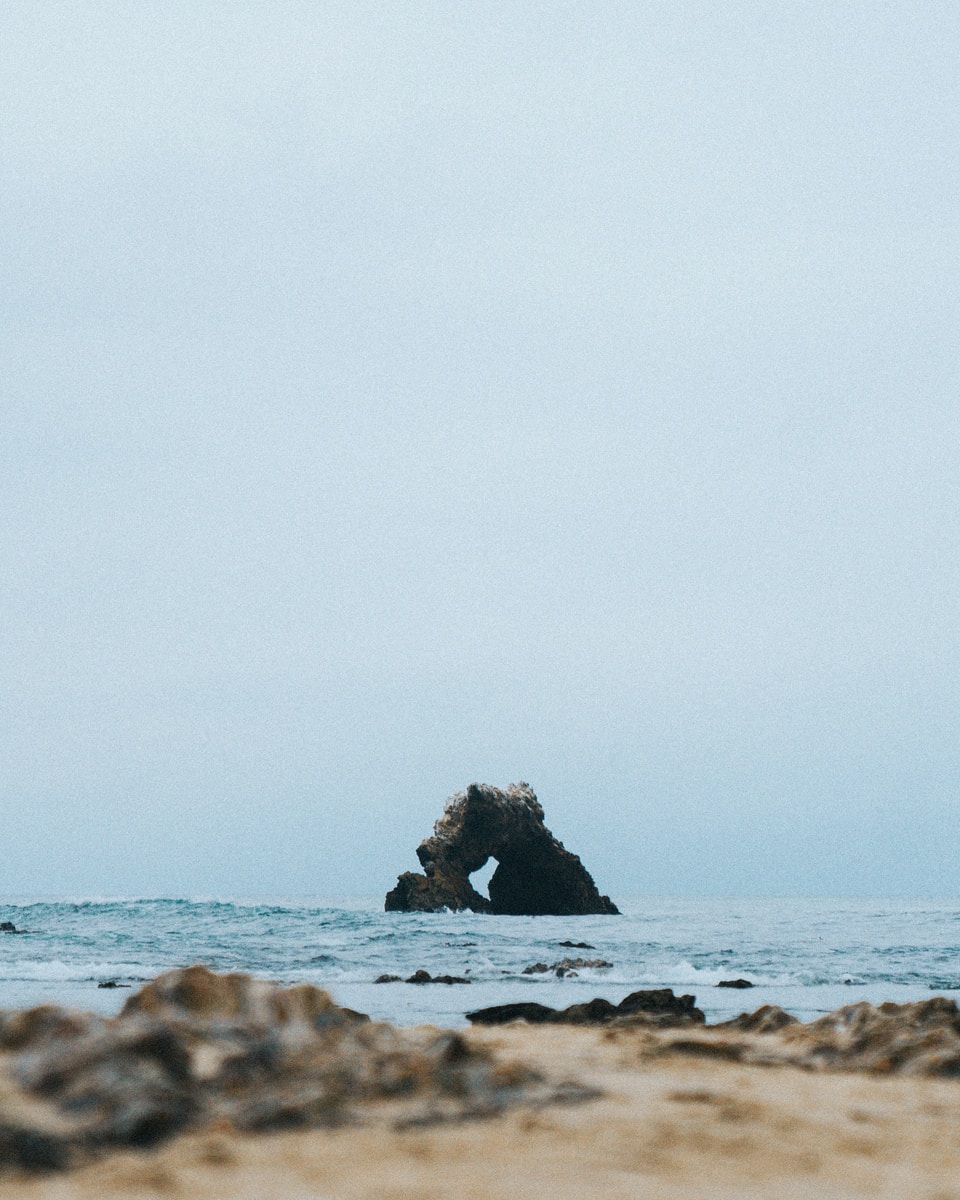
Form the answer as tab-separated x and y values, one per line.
422	976
658	1007
193	1047
566	966
535	875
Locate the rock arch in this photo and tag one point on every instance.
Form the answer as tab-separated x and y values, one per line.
535	874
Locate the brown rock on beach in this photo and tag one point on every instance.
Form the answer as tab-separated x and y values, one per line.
665	1121
193	1049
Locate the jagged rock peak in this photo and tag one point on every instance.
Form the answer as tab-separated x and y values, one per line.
535	875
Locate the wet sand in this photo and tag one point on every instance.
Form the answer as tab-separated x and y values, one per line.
676	1126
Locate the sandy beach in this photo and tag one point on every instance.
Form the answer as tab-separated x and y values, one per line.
663	1126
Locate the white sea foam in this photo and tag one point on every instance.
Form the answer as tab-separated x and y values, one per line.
58	971
797	953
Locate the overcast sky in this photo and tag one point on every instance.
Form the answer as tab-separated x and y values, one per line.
396	395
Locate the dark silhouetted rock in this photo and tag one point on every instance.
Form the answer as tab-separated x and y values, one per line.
7	927
577	945
535	875
593	1012
501	1014
661	1002
735	983
422	976
388	979
658	1007
112	983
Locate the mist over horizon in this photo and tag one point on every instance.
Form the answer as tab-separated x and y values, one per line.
397	398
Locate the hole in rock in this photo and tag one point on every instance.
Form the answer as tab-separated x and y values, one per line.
481	877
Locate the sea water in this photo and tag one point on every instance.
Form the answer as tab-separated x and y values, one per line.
809	956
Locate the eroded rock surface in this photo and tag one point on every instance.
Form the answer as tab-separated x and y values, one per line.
535	875
193	1047
922	1038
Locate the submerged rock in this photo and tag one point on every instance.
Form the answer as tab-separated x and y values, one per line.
423	976
193	1048
656	1007
566	966
535	875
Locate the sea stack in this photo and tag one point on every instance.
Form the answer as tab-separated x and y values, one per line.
535	875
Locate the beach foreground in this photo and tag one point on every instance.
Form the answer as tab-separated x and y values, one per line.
667	1122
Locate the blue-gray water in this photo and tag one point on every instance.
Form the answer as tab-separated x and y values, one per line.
809	956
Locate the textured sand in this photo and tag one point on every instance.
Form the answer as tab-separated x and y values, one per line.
676	1127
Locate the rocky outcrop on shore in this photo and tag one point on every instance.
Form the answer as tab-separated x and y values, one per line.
535	874
194	1048
194	1051
657	1007
922	1038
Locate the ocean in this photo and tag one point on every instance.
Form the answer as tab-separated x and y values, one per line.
809	956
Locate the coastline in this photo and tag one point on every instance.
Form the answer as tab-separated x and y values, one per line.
809	956
663	1126
680	1127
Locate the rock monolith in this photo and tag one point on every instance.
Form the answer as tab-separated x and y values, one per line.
535	875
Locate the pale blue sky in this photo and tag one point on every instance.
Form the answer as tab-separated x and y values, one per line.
399	395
